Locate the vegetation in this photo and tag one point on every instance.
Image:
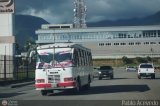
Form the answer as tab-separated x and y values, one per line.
125	61
141	60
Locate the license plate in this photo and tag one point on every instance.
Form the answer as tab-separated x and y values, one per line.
54	85
54	78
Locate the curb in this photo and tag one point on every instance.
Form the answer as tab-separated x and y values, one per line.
21	84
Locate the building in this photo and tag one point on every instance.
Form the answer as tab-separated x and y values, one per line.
107	42
7	38
6	45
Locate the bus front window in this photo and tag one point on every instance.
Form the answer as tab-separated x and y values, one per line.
61	57
44	60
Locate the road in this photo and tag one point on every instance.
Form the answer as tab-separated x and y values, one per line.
124	86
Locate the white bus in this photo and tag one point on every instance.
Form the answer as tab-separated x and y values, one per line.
62	66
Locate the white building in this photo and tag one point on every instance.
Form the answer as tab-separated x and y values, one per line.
6	45
108	42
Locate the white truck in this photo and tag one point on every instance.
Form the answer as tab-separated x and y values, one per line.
146	70
62	66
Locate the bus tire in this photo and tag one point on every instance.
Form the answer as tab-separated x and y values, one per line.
44	92
87	86
78	86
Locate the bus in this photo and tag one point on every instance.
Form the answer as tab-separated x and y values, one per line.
63	66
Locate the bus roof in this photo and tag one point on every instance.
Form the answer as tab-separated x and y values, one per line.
63	45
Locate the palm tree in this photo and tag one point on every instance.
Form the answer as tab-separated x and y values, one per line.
30	47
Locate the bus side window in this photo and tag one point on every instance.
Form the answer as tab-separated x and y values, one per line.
79	57
87	57
83	58
90	59
75	58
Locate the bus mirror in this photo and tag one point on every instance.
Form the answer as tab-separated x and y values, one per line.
31	55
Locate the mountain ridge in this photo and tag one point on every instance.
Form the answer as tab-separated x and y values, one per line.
153	19
25	27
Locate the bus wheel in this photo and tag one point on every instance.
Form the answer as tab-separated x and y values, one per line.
78	87
87	86
44	92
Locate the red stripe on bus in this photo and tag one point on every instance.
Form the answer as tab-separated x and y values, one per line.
66	84
43	85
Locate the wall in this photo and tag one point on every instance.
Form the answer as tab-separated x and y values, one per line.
6	45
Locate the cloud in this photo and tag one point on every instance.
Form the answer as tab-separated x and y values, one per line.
46	14
61	11
53	11
121	9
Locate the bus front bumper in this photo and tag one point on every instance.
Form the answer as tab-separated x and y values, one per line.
60	85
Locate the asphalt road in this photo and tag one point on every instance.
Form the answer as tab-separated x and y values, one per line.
124	86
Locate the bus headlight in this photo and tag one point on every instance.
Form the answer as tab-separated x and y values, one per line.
68	79
40	80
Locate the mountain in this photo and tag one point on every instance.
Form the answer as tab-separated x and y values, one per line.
148	20
25	27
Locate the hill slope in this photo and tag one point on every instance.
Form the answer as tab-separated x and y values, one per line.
25	27
148	20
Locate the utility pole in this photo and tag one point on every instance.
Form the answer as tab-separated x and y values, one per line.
152	54
5	76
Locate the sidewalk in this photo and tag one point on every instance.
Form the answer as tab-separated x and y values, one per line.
16	83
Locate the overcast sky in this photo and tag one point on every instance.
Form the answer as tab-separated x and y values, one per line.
61	11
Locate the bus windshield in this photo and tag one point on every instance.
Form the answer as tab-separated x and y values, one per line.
54	60
60	57
45	58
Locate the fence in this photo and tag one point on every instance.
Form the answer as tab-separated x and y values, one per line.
16	68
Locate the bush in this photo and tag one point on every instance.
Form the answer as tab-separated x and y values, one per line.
126	60
141	60
149	59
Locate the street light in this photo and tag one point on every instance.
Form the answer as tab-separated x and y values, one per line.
152	54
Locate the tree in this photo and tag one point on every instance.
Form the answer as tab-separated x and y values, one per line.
17	48
30	47
126	60
141	60
149	59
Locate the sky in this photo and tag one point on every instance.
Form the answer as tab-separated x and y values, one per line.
61	11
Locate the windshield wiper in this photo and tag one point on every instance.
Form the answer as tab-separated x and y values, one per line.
60	64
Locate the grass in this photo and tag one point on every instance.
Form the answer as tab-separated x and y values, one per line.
119	62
